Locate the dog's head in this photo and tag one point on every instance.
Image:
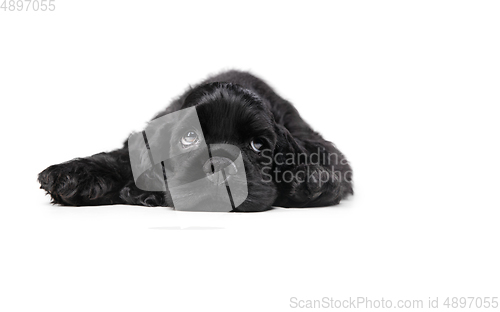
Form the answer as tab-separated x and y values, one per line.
214	153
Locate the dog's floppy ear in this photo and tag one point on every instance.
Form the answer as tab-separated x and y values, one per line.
286	144
286	153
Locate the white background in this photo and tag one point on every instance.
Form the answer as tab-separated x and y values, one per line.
409	91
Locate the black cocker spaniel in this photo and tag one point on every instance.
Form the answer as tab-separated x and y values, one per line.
229	143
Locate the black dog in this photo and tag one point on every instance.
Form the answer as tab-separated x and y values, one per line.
286	163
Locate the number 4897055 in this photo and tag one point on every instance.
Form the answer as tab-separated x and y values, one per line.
28	5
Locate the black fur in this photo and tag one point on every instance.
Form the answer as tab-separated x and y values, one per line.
233	107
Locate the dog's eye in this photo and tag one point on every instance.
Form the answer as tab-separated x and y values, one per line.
257	145
189	138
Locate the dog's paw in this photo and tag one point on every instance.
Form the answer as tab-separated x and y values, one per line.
309	183
130	194
72	183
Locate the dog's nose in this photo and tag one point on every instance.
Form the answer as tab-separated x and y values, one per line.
219	169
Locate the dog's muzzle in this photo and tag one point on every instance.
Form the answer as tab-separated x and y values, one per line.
219	169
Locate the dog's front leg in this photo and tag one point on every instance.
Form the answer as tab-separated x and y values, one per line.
101	179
